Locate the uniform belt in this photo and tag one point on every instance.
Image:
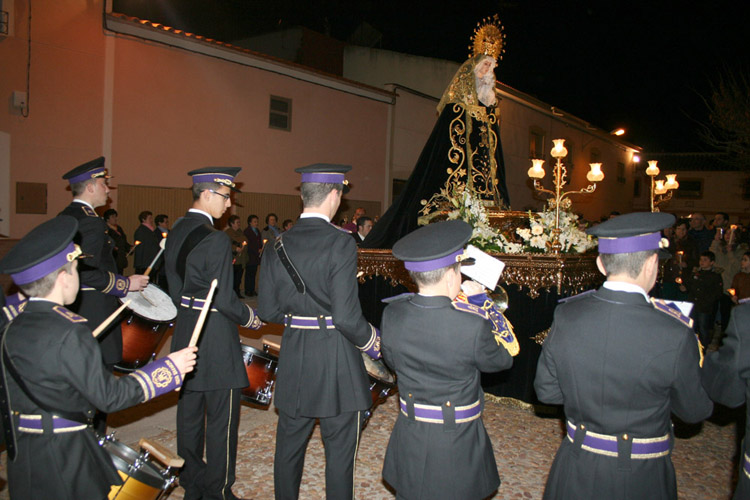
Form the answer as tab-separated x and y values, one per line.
746	464
604	444
193	303
33	424
310	322
434	414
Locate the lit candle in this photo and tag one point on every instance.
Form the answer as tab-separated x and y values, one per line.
595	174
536	171
732	292
652	170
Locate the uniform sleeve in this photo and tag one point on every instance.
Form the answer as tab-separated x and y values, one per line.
81	363
94	236
345	306
219	262
490	355
546	385
268	303
689	400
725	372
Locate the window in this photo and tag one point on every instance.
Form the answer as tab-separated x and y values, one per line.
596	156
620	172
280	115
536	143
636	188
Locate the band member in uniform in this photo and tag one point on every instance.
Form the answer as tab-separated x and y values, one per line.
209	406
726	378
621	363
53	377
100	283
439	447
308	282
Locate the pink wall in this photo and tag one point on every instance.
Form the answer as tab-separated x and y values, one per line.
172	111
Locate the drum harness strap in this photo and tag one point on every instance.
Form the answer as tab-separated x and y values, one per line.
191	241
324	322
54	421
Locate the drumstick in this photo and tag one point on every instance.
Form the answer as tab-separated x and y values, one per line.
204	312
161	251
111	318
162	454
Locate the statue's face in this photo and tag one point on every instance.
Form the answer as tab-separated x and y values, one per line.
487	64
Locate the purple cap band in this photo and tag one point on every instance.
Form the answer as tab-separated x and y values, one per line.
431	265
91	174
45	267
323	177
224	179
630	244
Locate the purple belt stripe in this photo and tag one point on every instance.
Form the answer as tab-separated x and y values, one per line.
197	303
434	414
309	322
33	424
746	464
607	445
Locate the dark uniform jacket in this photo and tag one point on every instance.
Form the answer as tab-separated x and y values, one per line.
726	378
438	352
60	363
619	366
220	364
144	253
320	372
100	283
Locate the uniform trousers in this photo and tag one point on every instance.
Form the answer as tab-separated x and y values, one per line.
210	418
341	439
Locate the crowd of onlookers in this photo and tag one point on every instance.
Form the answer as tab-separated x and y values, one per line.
709	267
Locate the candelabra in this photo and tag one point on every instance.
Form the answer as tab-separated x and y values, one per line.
661	190
558	196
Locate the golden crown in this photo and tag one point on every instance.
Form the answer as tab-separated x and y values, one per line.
488	38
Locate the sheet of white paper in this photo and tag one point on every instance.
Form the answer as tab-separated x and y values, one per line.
486	270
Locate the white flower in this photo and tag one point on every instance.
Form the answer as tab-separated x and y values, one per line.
537	229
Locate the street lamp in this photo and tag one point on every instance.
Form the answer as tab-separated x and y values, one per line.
661	190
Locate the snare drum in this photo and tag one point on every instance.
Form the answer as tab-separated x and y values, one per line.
142	478
261	372
150	313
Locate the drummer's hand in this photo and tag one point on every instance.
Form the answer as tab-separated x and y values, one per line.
184	359
471	287
137	282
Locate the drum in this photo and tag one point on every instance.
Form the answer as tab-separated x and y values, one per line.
142	478
261	372
149	315
382	380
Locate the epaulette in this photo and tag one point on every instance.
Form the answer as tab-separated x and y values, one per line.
14	305
470	308
576	297
88	210
397	298
69	315
671	310
343	230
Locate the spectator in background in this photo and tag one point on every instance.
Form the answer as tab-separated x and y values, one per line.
684	258
721	220
728	256
149	247
352	226
122	247
239	251
364	226
704	289
701	234
271	231
741	280
254	248
287	225
162	224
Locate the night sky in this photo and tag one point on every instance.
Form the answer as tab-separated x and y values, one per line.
642	65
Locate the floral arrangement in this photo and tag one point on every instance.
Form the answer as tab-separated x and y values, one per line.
536	238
